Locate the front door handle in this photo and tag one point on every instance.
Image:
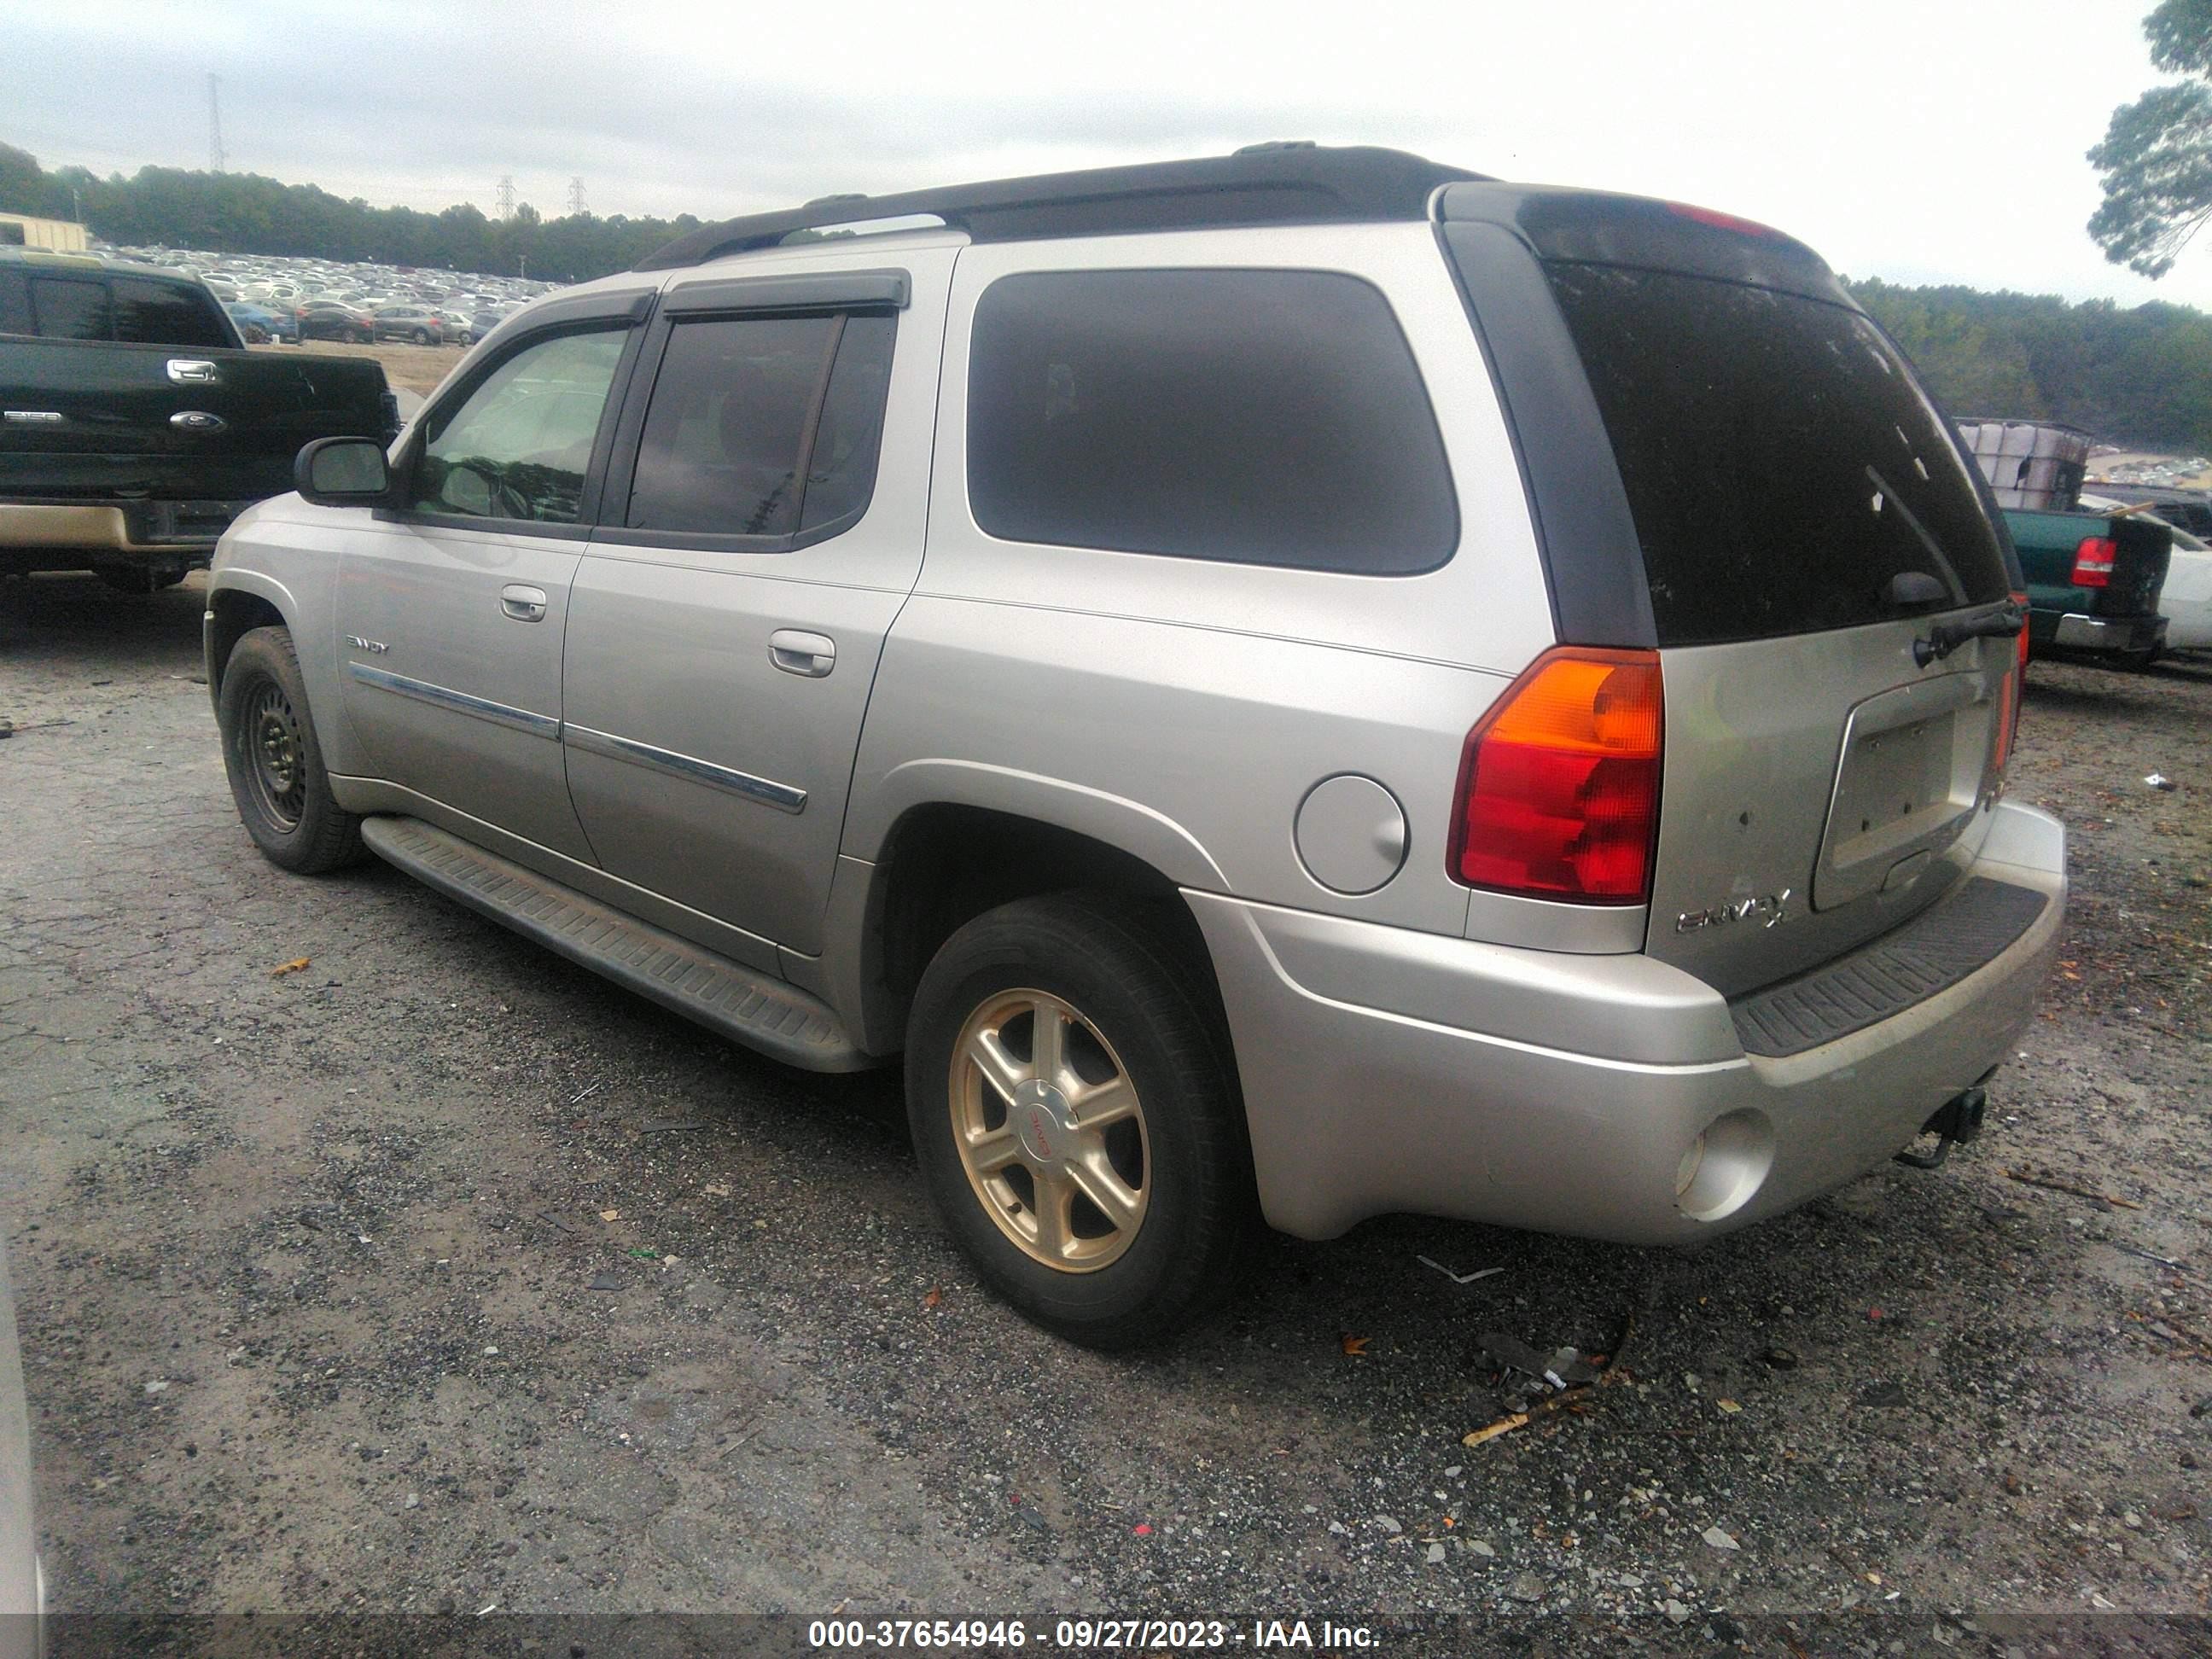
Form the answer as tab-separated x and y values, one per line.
523	604
812	655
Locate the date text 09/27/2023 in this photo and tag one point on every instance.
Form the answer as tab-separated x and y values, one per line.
1089	1635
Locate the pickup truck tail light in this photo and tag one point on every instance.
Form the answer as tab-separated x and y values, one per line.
2093	562
2009	692
1558	785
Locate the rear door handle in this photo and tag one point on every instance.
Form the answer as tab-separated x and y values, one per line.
523	604
812	655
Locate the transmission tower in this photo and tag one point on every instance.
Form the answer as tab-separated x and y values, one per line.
217	155
506	196
576	195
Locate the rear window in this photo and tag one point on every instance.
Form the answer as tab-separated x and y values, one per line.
1780	464
163	313
1256	416
743	406
67	310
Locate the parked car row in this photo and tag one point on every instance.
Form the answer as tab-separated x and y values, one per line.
371	301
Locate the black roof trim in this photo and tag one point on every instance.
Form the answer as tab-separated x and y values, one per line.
1265	185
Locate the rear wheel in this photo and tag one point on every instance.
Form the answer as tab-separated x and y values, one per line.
274	763
421	337
1077	1120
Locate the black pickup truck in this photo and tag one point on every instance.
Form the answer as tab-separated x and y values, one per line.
135	424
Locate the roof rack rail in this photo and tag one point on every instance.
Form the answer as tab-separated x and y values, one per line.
1295	183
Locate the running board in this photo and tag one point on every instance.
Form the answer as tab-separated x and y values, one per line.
741	1003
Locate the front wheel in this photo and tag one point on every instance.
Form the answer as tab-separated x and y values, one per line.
1076	1117
274	763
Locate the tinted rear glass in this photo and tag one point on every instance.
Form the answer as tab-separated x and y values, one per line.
729	424
15	303
1782	465
1257	416
68	310
161	313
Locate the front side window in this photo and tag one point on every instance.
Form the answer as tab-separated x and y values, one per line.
1256	416
69	310
763	426
518	446
162	313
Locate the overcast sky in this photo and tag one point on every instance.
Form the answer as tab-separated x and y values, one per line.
1913	140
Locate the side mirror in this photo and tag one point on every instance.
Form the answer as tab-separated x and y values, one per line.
343	472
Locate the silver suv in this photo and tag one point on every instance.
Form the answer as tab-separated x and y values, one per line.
1310	682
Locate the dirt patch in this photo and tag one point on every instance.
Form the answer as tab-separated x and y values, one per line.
445	1314
414	368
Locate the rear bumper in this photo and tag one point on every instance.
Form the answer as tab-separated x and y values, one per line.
1386	1071
2077	632
170	532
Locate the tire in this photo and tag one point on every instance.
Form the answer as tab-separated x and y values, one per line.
1133	1010
421	337
355	337
275	762
2136	662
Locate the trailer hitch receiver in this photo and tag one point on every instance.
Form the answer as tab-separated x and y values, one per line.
1957	1123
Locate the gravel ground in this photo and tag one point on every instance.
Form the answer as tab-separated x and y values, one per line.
436	1275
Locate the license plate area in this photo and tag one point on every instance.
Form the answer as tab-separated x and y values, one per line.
1910	776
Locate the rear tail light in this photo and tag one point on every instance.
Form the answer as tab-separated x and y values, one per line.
2093	562
2010	690
1720	221
1558	788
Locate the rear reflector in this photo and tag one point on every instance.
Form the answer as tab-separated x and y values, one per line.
1558	787
2093	562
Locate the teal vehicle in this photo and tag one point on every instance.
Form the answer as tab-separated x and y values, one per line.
2092	583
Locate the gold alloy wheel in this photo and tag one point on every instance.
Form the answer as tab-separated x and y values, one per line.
1050	1131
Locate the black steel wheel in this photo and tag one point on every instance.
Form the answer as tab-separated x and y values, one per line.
275	764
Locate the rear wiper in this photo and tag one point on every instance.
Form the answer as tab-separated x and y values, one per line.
2000	622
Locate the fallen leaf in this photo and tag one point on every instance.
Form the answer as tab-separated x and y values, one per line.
1729	1405
934	1296
1143	1529
611	1215
1357	1347
297	965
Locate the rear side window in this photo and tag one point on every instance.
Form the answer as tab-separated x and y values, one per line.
66	310
1782	465
162	313
762	426
1255	416
15	303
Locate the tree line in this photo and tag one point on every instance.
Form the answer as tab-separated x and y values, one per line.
2140	375
247	213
